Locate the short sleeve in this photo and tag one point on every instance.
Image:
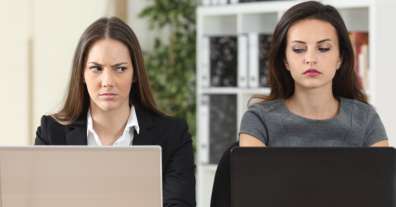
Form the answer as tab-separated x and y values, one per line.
253	124
375	130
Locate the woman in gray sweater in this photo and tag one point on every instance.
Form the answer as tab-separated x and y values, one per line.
315	99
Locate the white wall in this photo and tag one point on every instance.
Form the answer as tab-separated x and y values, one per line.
38	38
385	84
57	28
140	26
14	34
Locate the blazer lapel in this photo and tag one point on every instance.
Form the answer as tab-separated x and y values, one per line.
77	133
146	121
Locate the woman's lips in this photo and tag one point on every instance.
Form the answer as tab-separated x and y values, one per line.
107	96
312	73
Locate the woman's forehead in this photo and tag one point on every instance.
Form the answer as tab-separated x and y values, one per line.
108	50
312	31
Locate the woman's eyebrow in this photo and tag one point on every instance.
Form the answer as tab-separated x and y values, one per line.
114	65
119	64
302	42
95	63
324	40
299	41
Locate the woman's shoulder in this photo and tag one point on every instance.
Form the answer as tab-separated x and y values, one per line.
50	131
170	130
360	112
51	120
356	106
267	106
168	121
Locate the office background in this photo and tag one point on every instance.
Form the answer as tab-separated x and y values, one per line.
38	38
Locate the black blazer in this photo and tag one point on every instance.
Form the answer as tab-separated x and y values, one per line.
171	134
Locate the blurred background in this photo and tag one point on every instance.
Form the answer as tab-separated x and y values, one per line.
185	44
39	37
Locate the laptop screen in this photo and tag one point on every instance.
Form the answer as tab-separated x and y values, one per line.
312	177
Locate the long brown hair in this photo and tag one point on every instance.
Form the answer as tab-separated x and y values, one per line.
345	82
77	100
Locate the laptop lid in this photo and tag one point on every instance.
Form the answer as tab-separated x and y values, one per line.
312	177
80	176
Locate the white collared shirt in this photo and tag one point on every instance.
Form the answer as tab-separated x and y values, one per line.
124	140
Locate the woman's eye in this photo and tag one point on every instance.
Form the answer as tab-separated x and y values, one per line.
95	68
324	49
121	69
298	50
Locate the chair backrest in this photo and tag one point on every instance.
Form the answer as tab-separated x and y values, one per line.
221	192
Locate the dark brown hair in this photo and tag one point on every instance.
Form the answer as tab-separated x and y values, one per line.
345	82
77	100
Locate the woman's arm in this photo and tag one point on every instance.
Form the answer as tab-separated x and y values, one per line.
41	134
246	140
179	175
383	143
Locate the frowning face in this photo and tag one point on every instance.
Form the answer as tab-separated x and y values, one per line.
108	75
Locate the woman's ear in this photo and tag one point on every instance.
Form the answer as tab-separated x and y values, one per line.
339	64
286	64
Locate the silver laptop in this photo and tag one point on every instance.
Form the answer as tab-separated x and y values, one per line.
38	176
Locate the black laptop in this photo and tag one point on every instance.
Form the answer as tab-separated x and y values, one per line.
312	177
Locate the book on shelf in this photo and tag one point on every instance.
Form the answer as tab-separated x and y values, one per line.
218	126
264	48
223	55
205	59
242	60
359	42
223	124
203	130
253	76
259	46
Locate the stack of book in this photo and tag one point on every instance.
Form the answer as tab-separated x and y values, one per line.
259	46
360	46
236	61
218	127
223	58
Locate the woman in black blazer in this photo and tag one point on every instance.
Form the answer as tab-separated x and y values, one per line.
109	102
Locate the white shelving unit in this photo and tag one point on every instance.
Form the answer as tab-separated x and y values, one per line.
261	17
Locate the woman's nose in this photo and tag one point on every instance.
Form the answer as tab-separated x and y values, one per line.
107	78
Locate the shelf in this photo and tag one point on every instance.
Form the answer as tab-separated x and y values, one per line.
234	90
342	4
244	8
271	6
249	19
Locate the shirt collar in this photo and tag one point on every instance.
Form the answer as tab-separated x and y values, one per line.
132	122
